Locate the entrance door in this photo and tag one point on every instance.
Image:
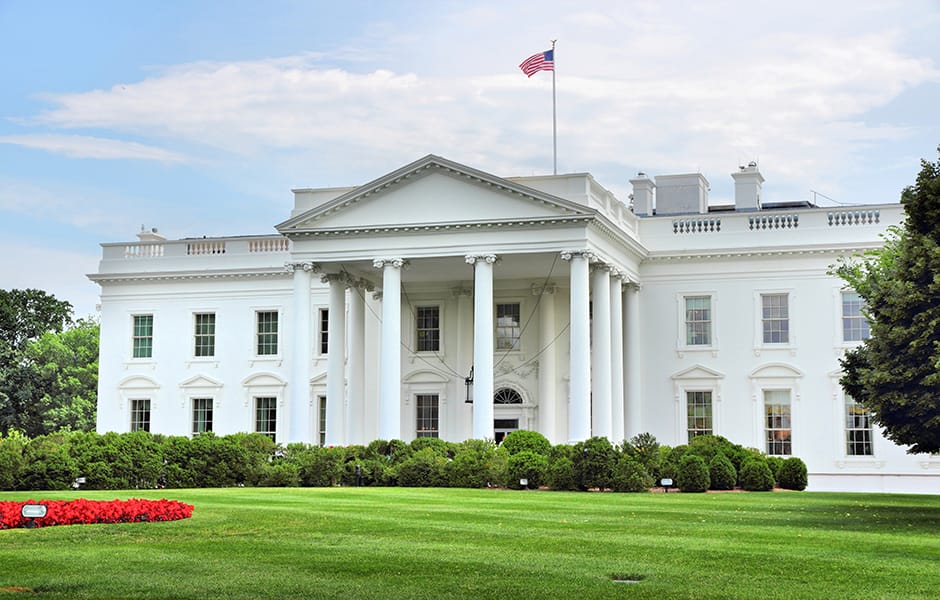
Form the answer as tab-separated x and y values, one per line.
502	428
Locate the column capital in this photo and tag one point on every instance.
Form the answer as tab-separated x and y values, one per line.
302	265
473	258
380	263
584	253
462	291
335	278
602	266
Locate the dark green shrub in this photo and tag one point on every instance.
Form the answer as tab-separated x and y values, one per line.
693	474
594	462
722	473
473	466
670	464
439	446
644	449
317	466
424	468
774	462
756	476
629	475
11	459
522	441
561	474
47	464
792	475
527	465
280	473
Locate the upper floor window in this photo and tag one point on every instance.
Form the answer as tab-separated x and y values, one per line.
775	318
508	327
698	320
428	328
143	336
324	331
140	414
854	324
857	429
202	415
266	332
699	413
204	334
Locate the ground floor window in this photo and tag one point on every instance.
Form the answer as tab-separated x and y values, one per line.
321	420
857	429
202	415
427	407
140	414
778	427
266	416
503	427
699	413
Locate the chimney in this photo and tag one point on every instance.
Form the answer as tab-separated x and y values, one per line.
149	236
643	188
747	186
681	194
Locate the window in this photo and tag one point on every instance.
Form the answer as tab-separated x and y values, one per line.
698	320
267	332
507	326
775	317
854	324
205	334
507	396
427	415
857	429
321	420
428	328
699	412
140	415
143	336
324	330
777	410
202	415
266	416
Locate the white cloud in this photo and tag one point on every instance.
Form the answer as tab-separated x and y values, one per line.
81	146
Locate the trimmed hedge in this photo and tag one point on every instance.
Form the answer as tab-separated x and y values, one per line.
143	461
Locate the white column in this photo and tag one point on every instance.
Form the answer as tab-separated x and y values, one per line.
547	375
355	386
600	355
633	412
482	345
579	403
390	360
463	426
298	412
616	356
335	362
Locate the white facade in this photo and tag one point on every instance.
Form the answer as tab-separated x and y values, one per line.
364	317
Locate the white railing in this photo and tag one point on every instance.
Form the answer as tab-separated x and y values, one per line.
207	247
854	217
786	221
703	225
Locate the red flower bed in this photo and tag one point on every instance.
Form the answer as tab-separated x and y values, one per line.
81	511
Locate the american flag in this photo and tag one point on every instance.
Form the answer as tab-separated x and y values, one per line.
543	61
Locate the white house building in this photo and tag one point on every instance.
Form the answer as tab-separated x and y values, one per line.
439	300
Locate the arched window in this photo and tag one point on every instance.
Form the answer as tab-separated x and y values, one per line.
507	396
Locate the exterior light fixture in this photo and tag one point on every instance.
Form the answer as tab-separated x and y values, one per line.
33	512
468	381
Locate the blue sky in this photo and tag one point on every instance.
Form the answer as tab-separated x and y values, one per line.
199	117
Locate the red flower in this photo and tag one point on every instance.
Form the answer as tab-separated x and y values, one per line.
72	512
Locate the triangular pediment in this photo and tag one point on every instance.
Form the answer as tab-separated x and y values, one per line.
201	381
430	191
698	372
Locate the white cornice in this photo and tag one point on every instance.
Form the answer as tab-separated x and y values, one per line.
103	278
731	253
442	227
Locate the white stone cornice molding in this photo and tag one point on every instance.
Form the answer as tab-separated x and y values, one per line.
380	263
472	259
305	265
539	290
569	254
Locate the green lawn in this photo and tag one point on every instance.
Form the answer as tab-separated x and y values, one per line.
443	543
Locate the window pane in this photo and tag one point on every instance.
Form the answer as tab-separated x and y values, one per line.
267	333
857	429
775	318
778	428
324	331
428	325
202	415
698	321
427	415
854	324
205	334
266	416
321	417
699	413
507	326
143	336
140	415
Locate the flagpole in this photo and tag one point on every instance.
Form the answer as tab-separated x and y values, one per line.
554	120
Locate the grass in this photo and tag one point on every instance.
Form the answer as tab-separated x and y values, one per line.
443	543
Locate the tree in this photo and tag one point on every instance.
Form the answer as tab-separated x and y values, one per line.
896	372
25	315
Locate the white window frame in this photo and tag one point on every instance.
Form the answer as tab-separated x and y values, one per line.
133	336
517	347
682	345
256	337
131	413
437	418
697	378
843	317
195	335
767	429
323	317
254	415
439	305
192	414
759	343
